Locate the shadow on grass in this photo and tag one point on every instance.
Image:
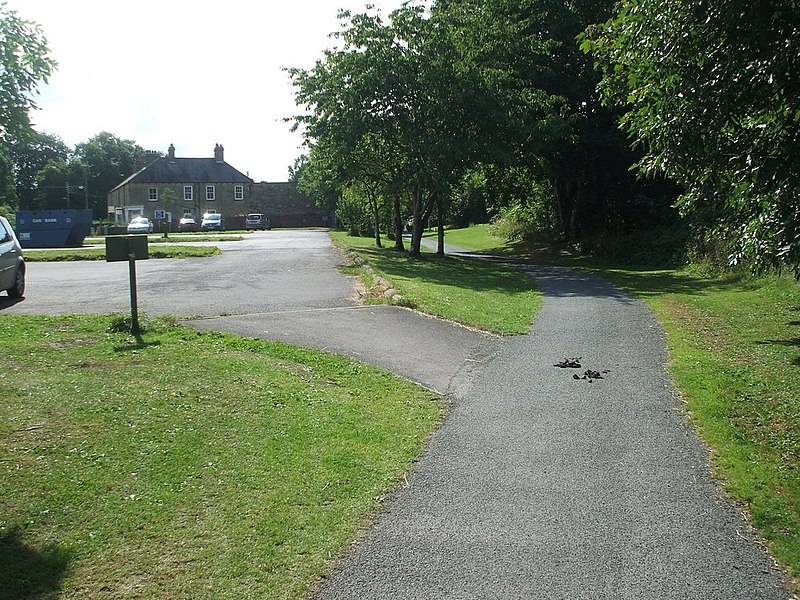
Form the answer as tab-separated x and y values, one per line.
139	345
26	573
454	271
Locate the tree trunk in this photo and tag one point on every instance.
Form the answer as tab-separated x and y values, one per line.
376	218
416	229
398	225
440	226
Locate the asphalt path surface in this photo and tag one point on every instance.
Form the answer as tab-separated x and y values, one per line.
538	485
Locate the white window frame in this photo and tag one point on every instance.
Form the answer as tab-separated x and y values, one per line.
188	192
152	194
238	192
210	193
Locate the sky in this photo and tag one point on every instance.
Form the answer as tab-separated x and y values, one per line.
193	73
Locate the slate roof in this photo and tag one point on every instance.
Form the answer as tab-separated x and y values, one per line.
187	170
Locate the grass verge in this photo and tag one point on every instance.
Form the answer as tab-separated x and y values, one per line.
734	345
154	251
188	464
468	291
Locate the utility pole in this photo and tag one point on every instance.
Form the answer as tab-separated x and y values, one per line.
86	186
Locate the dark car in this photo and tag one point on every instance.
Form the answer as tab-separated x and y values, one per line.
12	263
213	221
187	223
257	221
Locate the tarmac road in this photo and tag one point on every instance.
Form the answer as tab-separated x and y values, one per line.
267	271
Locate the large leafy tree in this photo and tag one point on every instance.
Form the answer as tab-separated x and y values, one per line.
710	90
30	157
107	160
395	105
25	63
555	128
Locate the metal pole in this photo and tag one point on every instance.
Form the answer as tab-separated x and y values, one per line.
134	302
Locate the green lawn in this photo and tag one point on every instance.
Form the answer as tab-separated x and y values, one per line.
154	251
469	291
186	464
734	346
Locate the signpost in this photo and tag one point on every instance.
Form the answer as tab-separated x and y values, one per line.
130	248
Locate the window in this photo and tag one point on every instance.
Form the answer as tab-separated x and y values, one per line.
187	193
238	192
153	194
209	193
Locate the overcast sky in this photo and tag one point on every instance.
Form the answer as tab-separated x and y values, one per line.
192	73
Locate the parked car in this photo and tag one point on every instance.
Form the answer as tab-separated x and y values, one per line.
257	221
140	225
213	221
12	263
187	223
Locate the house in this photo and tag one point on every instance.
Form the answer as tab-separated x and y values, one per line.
202	185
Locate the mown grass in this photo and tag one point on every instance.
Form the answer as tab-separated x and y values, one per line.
183	464
154	251
734	343
471	292
476	237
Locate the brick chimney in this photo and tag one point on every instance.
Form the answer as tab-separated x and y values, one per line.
219	153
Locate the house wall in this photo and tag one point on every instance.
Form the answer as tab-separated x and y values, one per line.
280	201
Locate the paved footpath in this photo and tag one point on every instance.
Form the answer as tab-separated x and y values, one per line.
540	485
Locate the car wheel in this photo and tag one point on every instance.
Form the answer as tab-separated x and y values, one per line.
19	283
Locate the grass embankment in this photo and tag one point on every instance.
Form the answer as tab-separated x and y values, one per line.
734	345
187	464
471	292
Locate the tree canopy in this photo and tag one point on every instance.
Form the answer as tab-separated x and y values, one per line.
25	62
710	92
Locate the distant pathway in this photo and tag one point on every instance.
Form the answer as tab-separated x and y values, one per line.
540	485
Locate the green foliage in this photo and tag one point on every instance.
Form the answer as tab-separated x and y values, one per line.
353	215
107	160
9	213
30	156
710	93
24	64
8	191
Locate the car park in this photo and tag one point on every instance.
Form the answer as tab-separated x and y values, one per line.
257	221
140	225
12	263
213	221
187	223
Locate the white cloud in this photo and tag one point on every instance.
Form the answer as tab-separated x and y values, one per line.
191	73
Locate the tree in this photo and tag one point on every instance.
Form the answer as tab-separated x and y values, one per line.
30	157
168	199
25	62
710	94
108	160
396	106
8	192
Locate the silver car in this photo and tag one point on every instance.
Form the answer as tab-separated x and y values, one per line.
140	225
12	263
